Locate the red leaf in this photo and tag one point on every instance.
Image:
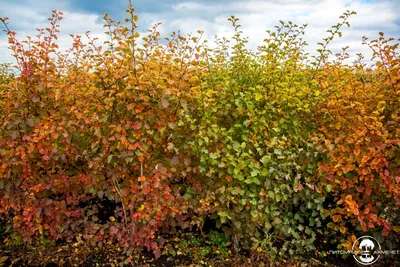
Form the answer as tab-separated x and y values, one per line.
387	226
113	229
369	191
136	125
363	224
385	232
135	145
157	253
26	73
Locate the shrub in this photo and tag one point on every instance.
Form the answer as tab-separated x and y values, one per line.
121	142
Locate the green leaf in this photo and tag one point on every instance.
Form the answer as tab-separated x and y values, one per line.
277	151
223	213
328	188
186	196
254	173
138	153
277	221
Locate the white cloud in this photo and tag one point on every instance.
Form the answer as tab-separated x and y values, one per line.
28	19
256	16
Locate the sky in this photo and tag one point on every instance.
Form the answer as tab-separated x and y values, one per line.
188	16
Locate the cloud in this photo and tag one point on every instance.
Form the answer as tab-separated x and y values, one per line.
256	16
25	19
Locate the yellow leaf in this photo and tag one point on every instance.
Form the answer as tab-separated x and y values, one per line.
112	218
3	259
40	228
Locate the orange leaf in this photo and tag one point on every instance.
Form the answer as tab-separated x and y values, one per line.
336	217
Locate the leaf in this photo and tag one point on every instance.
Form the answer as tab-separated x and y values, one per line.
328	188
175	160
113	230
130	106
157	253
336	218
109	158
223	214
136	125
254	173
277	221
164	102
238	224
3	259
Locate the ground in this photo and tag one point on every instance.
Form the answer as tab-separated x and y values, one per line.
182	249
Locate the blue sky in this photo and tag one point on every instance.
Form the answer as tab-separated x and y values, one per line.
256	16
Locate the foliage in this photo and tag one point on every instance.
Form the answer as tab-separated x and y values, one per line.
62	155
359	134
116	143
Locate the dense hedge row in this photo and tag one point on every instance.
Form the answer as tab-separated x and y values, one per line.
144	135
